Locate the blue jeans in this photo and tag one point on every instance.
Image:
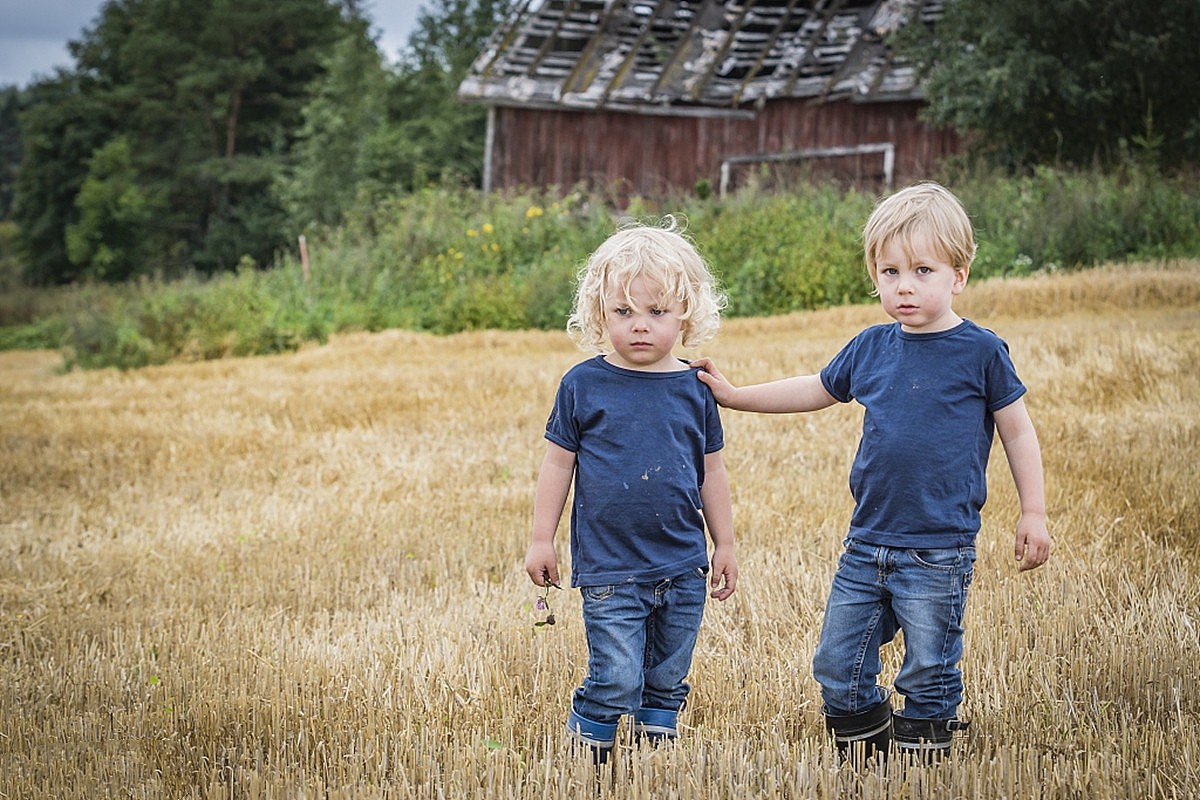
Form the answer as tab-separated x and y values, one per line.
876	592
640	640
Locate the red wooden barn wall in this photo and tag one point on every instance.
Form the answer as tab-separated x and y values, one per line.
654	155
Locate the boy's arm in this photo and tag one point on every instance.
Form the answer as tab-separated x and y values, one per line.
784	396
553	484
718	516
1032	546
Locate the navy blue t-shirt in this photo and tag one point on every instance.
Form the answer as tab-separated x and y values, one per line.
918	479
639	440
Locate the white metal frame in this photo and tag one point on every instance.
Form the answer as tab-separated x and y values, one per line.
888	149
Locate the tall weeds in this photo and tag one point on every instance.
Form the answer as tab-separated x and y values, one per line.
451	259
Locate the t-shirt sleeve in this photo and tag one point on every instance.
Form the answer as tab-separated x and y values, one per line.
562	427
837	374
1004	387
714	434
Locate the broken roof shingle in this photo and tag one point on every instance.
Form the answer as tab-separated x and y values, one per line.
680	54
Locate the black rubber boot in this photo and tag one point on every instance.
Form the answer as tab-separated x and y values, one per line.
925	740
863	736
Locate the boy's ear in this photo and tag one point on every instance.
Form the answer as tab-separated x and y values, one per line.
960	278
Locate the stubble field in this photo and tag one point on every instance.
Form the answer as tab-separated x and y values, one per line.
300	576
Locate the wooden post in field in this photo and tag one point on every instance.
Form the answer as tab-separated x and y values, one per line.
304	257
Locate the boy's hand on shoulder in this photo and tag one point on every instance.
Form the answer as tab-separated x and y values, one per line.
1033	541
724	573
708	373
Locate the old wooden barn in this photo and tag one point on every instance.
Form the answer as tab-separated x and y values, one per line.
660	96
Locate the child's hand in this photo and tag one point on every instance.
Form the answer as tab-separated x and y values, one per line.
541	562
724	573
707	372
1033	541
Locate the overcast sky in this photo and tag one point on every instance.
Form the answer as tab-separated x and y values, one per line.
34	33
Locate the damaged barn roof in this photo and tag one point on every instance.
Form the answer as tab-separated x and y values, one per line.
670	56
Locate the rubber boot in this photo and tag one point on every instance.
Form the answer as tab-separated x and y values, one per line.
655	725
597	737
862	736
925	740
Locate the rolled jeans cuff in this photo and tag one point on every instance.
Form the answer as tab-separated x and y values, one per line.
655	722
591	733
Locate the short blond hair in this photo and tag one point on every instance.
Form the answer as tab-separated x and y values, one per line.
923	208
668	260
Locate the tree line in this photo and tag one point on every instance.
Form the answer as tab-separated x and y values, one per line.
197	136
200	136
1065	82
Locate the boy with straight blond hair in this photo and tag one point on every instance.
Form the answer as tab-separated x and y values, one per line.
935	388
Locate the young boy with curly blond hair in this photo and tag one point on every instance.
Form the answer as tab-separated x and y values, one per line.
641	440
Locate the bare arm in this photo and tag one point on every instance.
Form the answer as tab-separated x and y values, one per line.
1032	545
718	515
553	484
784	396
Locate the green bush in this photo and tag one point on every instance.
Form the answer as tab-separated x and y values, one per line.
449	259
787	252
42	334
241	314
1060	219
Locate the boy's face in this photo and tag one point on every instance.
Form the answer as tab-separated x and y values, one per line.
917	284
642	332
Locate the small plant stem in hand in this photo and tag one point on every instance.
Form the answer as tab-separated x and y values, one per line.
543	604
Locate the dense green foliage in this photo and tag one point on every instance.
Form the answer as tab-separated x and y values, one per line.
156	152
10	147
784	252
451	259
1065	81
1055	219
371	131
192	135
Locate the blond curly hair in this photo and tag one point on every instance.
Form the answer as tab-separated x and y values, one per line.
667	259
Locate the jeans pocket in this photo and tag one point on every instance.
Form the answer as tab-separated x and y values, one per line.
942	559
945	559
598	592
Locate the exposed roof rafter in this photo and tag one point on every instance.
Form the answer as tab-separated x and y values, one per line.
689	55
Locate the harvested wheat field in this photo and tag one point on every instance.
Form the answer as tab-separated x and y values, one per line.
301	576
